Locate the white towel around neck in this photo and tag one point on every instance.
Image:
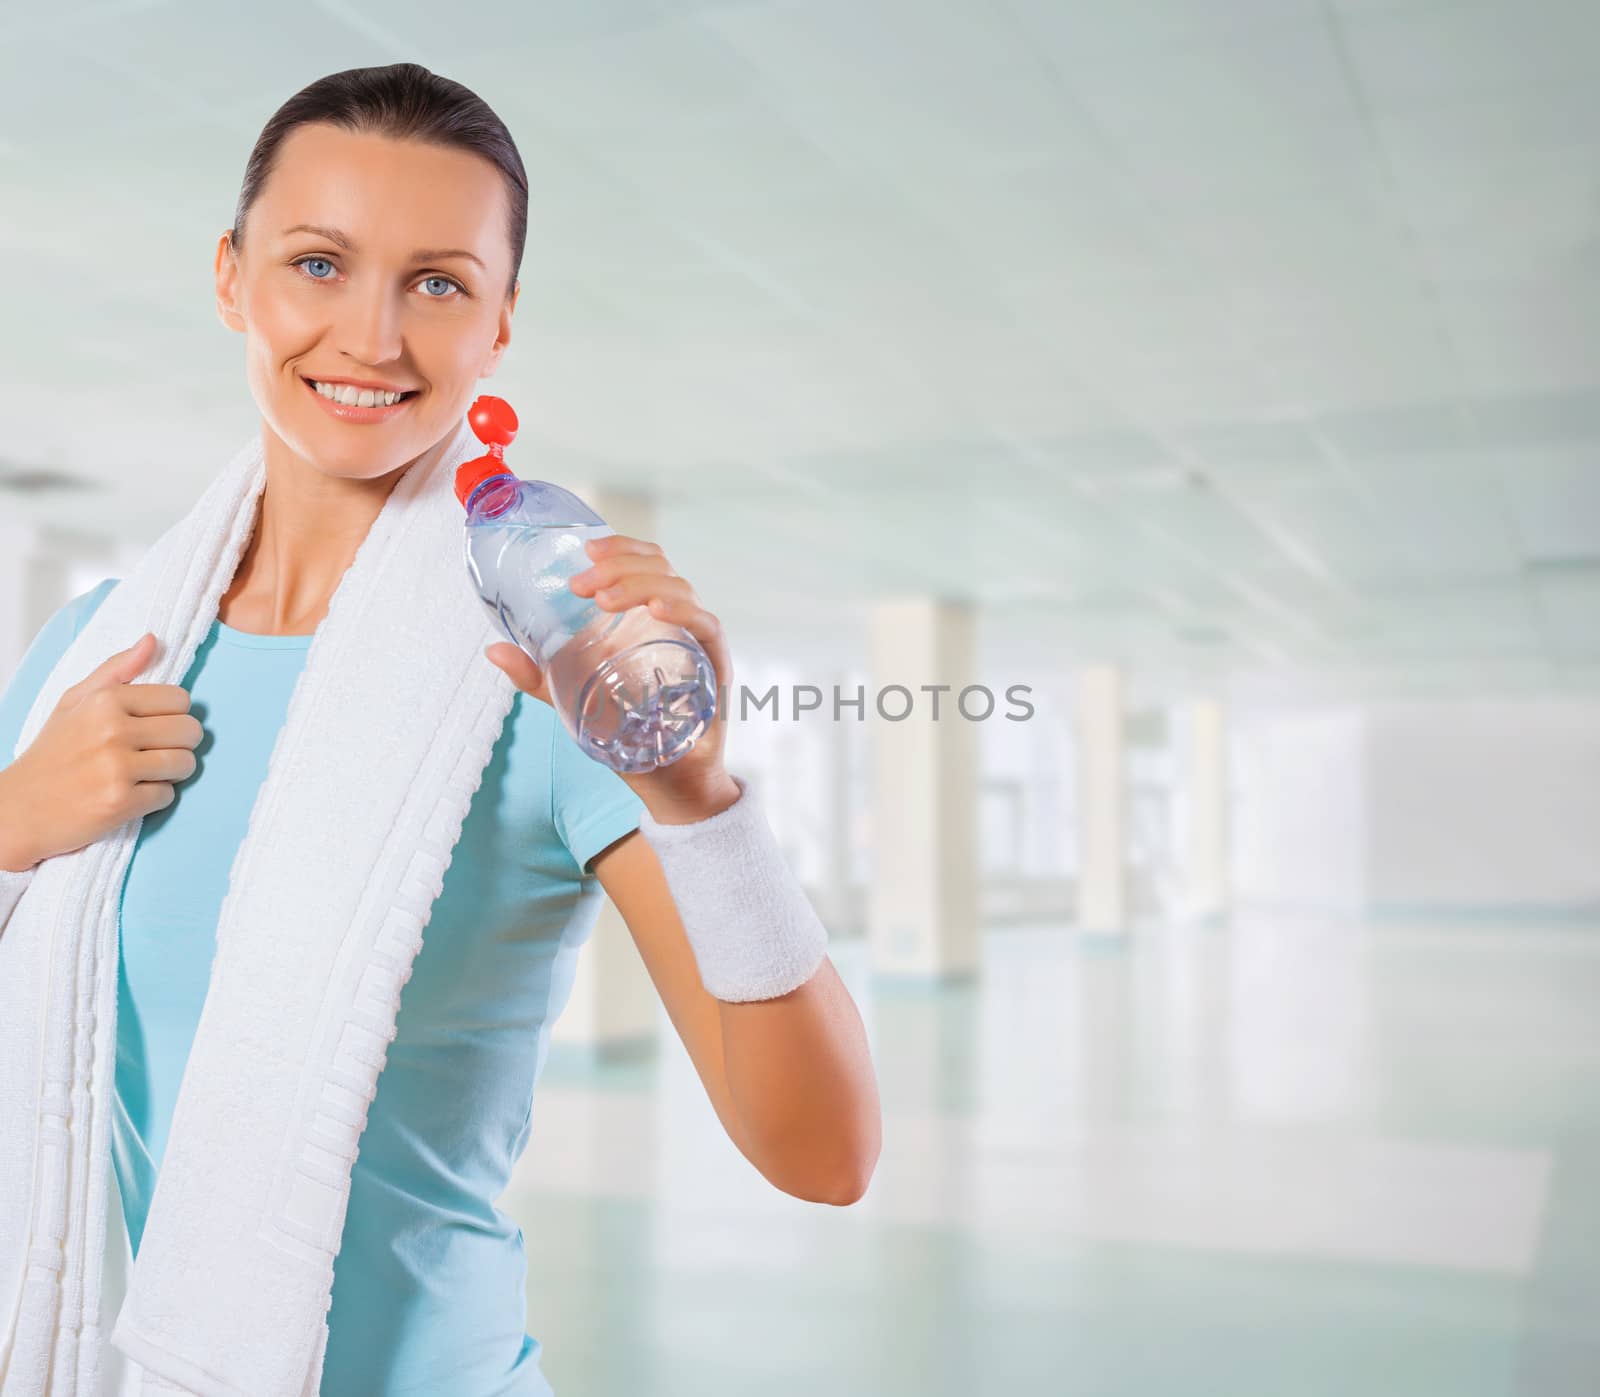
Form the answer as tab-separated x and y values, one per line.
388	731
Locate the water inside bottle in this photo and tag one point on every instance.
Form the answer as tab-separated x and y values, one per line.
525	568
634	691
646	702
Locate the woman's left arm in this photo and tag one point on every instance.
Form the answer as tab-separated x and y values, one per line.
790	1077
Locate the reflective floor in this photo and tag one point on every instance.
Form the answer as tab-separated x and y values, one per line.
1288	1158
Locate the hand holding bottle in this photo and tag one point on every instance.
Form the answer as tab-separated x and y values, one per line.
629	572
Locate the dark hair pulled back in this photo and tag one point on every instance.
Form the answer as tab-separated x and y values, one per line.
401	101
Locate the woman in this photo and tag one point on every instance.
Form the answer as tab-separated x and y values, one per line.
375	249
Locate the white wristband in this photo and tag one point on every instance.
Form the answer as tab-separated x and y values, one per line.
753	930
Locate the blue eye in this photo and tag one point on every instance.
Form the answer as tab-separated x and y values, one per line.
306	261
444	281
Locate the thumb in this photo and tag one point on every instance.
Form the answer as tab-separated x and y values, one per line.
518	666
121	667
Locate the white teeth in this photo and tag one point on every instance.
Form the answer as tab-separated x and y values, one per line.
355	397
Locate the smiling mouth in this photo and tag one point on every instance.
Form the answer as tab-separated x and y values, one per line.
345	395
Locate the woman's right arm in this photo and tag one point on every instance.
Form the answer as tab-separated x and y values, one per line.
110	751
47	647
45	650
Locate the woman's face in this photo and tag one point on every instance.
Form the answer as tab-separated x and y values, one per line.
371	261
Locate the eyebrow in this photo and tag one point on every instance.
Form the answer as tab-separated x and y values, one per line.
422	254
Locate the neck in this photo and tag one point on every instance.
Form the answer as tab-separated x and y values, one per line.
308	528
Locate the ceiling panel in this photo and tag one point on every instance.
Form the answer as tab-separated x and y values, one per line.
1554	502
1449	517
1417	55
170	51
1142	25
1568	601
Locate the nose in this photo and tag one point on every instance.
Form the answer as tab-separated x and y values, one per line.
369	326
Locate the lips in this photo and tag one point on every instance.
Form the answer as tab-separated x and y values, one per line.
350	412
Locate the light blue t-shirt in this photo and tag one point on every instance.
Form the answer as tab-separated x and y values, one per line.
428	1292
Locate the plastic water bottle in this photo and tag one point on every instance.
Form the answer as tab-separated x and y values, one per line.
634	691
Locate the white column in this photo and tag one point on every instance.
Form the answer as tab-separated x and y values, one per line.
614	1002
1102	803
923	904
1204	791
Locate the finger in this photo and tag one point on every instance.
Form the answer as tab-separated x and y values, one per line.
151	700
704	626
167	730
515	661
518	666
164	764
611	570
612	545
636	589
118	668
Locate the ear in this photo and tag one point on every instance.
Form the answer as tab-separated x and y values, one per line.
503	334
227	275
